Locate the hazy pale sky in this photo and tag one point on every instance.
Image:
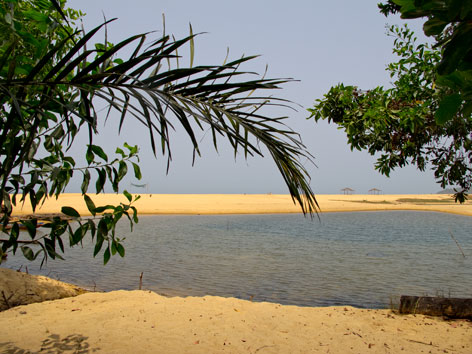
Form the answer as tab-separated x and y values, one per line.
319	43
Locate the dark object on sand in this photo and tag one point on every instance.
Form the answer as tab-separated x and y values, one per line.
436	306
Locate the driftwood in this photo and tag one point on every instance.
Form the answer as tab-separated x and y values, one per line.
436	306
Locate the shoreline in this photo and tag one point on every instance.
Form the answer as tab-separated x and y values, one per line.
194	204
145	322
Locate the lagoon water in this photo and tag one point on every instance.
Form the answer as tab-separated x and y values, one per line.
364	259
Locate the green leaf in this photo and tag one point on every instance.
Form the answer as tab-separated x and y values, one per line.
127	195
120	249
28	253
467	109
102	176
454	81
31	227
69	211
36	16
61	244
33	201
122	170
132	149
434	26
106	256
99	151
192	46
121	152
58	132
115	180
7	202
455	50
137	171
135	214
85	182
448	108
101	209
92	227
8	18
78	235
99	244
103	226
14	233
90	204
113	248
89	155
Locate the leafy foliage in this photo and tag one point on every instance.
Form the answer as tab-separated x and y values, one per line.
450	23
401	123
51	80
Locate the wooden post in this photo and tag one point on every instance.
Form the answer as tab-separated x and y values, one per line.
141	281
436	306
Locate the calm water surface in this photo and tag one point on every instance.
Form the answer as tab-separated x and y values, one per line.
364	259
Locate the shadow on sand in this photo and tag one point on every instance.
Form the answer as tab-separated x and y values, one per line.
74	343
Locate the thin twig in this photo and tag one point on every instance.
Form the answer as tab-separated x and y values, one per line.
18	241
6	300
457	243
141	281
419	342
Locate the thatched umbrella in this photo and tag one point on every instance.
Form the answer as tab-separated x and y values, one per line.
374	191
347	190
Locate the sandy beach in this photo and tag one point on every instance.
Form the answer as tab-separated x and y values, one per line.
145	322
254	203
60	318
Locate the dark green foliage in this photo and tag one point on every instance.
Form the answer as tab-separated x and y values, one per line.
409	123
450	23
51	77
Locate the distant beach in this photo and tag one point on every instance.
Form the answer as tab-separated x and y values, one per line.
254	203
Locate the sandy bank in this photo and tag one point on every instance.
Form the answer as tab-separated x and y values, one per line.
255	203
145	322
20	288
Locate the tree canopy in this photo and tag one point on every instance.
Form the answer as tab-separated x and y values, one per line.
425	118
51	78
450	23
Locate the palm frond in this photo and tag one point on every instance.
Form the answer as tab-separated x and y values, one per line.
198	97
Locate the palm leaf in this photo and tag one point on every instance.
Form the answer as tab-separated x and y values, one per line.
214	97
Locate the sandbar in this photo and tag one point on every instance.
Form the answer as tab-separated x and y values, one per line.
253	203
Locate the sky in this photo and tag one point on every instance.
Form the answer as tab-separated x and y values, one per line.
317	43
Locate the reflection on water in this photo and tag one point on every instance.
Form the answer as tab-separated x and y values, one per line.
362	259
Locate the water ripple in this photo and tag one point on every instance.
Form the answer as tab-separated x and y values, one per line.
363	259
